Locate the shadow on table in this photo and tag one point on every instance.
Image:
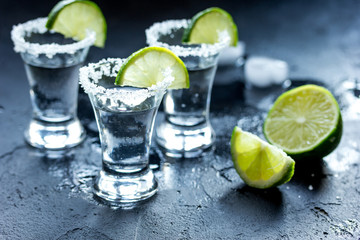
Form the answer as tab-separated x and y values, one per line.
262	205
310	172
272	196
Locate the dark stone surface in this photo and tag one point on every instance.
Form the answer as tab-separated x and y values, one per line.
43	196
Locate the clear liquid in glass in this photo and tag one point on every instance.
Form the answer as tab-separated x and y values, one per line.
53	92
186	130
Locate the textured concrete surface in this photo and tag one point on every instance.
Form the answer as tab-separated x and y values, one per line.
43	196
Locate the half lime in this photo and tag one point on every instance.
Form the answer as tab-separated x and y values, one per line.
305	122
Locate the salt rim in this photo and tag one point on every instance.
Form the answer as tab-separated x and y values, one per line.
21	30
93	72
202	50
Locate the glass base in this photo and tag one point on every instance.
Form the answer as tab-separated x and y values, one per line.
54	135
125	188
183	141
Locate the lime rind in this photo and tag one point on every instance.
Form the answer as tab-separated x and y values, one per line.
289	174
325	137
56	10
222	16
258	163
146	67
79	33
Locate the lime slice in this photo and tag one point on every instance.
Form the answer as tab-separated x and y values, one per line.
208	26
145	68
72	18
258	163
305	122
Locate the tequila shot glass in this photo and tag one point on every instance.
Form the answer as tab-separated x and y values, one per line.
186	130
52	65
125	118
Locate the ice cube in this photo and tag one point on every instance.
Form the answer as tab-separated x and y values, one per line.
263	71
257	72
280	71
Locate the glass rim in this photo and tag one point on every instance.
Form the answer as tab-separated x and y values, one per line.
37	25
165	27
90	75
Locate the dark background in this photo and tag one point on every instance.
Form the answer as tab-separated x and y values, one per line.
307	31
48	198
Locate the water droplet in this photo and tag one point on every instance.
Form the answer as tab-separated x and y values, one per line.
299	196
183	105
311	187
2	109
312	175
338	198
287	187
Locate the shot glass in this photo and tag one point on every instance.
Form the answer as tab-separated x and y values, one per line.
186	130
125	118
52	65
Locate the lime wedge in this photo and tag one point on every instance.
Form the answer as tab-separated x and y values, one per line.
208	26
72	18
145	68
258	163
305	122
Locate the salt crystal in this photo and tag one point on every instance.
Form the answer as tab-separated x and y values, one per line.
21	31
